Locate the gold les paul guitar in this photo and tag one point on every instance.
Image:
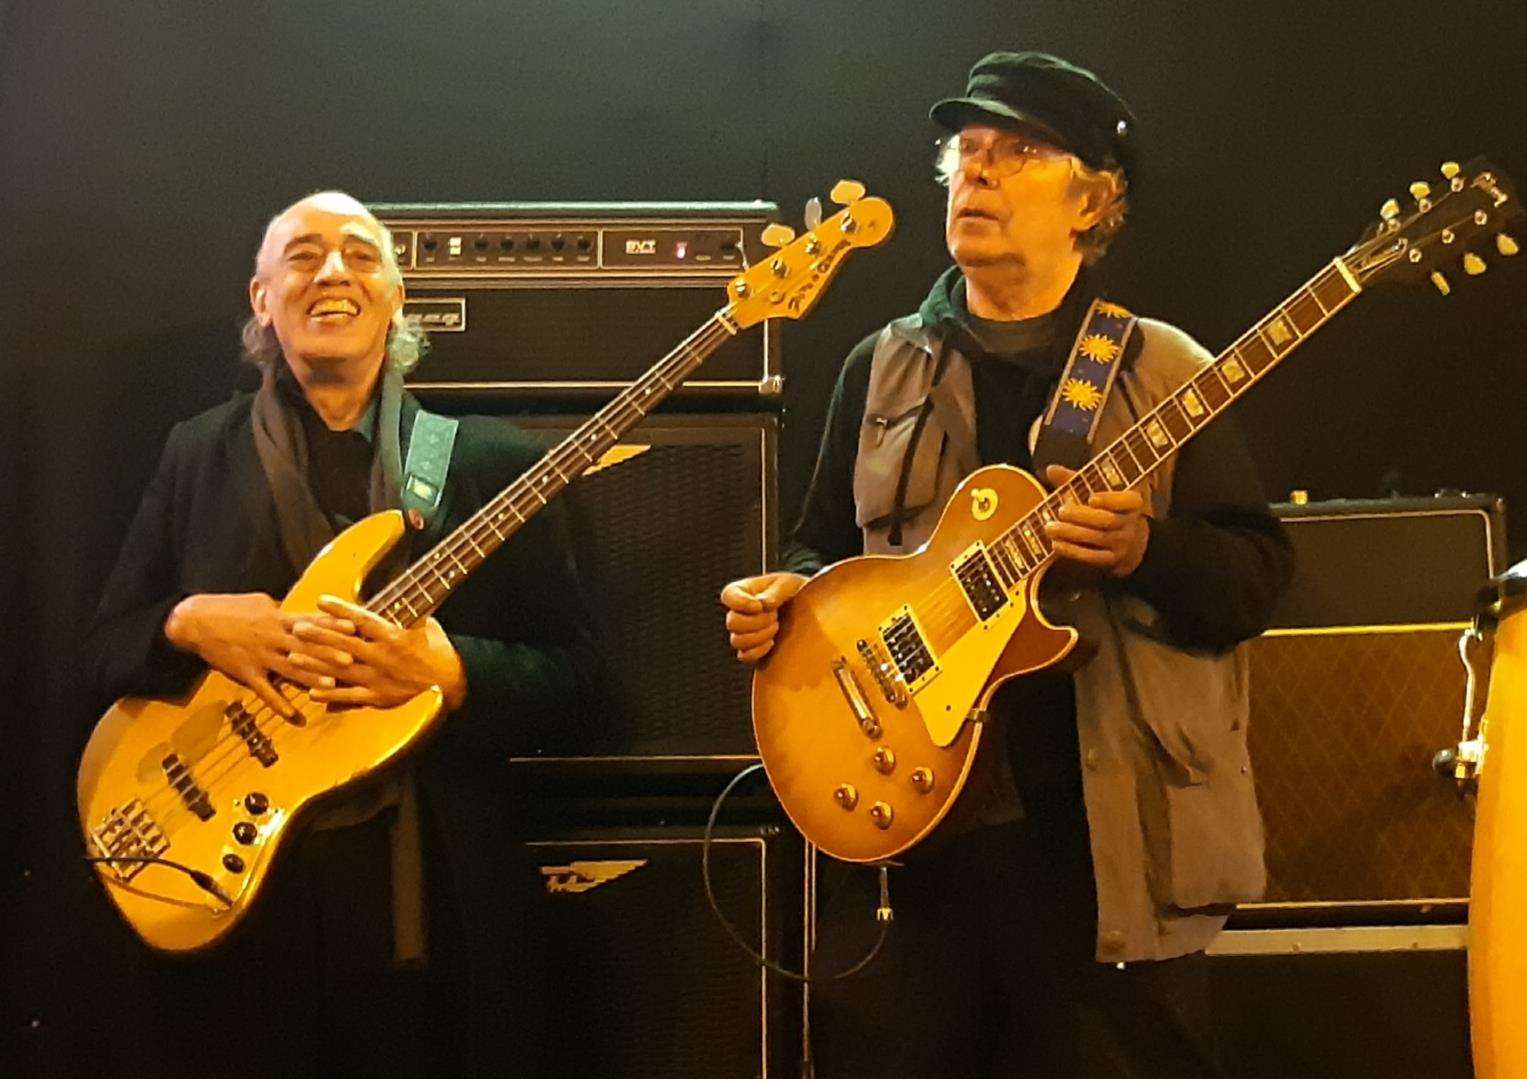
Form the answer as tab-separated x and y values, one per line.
185	804
862	709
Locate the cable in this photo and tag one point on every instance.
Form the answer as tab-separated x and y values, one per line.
202	880
883	913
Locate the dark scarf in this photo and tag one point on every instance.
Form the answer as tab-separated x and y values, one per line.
1039	344
283	450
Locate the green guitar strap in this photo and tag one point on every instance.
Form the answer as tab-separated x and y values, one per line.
429	461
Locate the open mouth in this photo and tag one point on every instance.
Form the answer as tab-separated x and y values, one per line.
334	309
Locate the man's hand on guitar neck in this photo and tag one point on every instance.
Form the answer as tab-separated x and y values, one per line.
1108	534
752	611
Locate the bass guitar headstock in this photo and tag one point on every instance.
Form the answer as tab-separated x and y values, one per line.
789	282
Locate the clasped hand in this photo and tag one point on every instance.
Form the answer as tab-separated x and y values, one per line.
342	654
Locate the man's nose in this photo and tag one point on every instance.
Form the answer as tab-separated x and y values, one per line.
333	266
977	167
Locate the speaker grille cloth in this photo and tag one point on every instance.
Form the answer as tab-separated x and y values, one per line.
1342	733
657	536
643	979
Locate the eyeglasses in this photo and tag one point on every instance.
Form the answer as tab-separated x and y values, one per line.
1004	157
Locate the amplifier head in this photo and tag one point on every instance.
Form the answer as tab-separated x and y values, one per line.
577	298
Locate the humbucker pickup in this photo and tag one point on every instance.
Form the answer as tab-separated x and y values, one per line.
908	650
978	580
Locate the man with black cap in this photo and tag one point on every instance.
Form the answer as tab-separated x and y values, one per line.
1054	924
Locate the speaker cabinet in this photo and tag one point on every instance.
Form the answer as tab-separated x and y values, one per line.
643	980
1355	688
684	505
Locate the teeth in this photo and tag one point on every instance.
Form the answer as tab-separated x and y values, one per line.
330	307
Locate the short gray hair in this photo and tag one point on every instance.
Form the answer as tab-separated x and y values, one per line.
407	342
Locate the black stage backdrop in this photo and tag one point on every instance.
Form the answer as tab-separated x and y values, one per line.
145	144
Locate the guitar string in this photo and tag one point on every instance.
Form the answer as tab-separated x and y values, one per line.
944	610
696	348
214	774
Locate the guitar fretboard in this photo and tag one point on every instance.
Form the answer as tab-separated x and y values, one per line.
424	586
1132	456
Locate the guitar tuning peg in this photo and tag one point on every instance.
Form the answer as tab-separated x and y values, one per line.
1390	210
1420	189
776	235
1505	244
846	191
813	214
1441	282
1473	265
1450	169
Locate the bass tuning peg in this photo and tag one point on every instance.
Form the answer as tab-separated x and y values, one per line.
776	235
813	214
1390	210
1441	282
1505	244
846	191
1473	265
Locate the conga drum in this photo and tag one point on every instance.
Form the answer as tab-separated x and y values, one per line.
1498	888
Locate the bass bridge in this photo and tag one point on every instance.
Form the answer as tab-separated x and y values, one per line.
131	834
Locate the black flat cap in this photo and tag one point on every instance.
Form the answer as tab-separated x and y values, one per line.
1058	100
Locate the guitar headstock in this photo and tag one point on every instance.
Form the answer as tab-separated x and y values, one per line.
1441	229
789	282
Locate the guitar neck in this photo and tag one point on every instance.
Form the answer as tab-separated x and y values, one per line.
424	586
1134	455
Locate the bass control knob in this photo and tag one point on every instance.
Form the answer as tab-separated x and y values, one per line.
881	814
922	780
846	796
256	803
884	761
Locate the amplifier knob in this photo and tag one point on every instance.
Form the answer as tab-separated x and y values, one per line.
846	796
884	761
881	814
922	780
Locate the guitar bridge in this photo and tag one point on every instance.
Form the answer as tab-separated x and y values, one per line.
129	832
880	668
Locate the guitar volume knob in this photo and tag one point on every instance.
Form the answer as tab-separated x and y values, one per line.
922	780
884	761
881	814
846	796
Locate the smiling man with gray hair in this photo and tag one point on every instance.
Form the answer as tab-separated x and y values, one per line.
245	496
